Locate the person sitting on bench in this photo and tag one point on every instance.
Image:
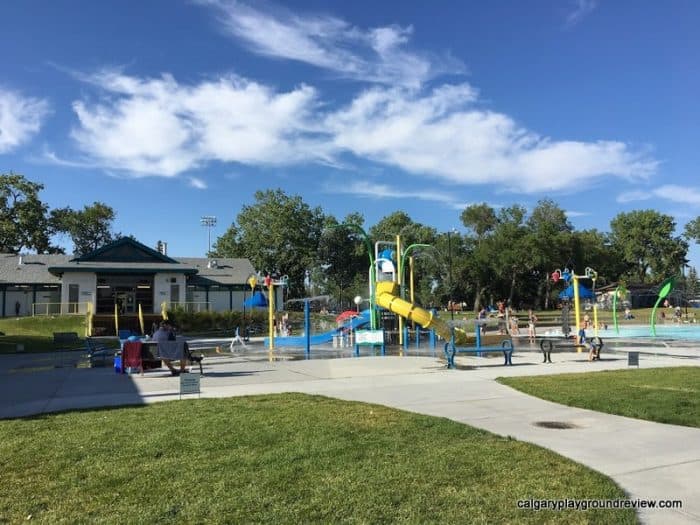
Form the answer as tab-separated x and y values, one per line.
165	334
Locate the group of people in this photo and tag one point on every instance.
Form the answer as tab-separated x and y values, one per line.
509	323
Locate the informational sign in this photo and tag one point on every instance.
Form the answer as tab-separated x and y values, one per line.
369	337
189	384
633	359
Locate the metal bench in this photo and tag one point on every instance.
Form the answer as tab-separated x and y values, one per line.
506	348
550	344
98	355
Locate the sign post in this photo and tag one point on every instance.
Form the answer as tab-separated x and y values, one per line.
189	384
633	359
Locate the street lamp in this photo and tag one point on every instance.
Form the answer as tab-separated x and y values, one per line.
449	262
208	221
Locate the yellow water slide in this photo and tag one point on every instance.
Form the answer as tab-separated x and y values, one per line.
386	298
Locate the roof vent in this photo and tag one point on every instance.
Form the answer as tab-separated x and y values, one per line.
212	264
20	261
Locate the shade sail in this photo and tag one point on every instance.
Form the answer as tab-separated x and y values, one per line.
257	300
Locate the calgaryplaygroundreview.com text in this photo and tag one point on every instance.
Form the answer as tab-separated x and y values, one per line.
588	504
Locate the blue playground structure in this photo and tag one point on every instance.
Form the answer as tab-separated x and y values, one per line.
325	337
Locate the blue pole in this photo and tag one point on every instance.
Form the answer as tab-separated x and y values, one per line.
478	334
405	337
417	334
307	329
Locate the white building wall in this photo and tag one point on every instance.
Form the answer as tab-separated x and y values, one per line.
218	300
47	302
161	288
23	297
87	289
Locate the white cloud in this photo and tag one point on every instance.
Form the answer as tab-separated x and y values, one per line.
679	194
571	213
160	127
198	183
580	10
633	196
20	119
374	55
384	191
669	192
445	135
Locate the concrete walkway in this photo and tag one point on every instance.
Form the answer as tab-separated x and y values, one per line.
648	460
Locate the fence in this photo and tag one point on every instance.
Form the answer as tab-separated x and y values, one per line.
59	308
191	307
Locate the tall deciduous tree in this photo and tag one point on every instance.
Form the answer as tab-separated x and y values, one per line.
692	230
89	228
279	234
343	256
646	243
24	221
480	221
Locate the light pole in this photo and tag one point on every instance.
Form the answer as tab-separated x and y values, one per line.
208	221
449	271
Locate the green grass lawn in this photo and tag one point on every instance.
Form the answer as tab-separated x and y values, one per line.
43	325
36	333
665	395
280	459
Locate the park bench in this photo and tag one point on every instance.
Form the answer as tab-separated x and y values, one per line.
506	347
548	345
99	355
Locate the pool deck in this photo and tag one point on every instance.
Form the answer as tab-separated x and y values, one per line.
648	460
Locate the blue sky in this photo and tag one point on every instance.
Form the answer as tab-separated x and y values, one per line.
168	111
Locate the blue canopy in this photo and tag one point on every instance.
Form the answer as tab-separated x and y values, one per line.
258	300
583	292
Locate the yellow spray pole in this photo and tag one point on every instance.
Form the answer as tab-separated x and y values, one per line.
576	310
270	314
143	332
164	310
590	272
88	315
116	319
399	277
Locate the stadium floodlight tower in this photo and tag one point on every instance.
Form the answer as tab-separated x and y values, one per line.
208	221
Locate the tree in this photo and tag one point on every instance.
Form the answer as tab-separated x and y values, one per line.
279	234
645	241
89	228
342	255
549	243
24	222
480	220
692	230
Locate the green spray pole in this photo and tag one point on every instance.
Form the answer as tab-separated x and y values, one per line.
620	289
666	288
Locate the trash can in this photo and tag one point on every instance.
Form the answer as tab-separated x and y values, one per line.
118	365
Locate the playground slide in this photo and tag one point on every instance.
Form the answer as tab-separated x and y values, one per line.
324	337
386	298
